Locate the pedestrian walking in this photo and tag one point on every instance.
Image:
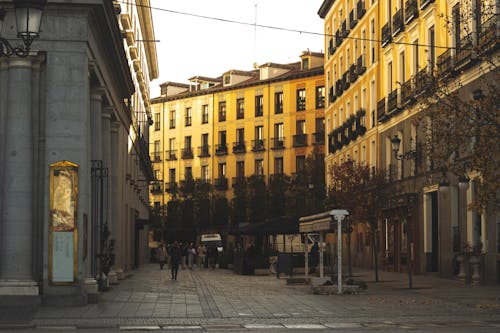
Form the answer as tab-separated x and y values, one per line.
175	258
162	255
183	249
201	253
191	253
212	255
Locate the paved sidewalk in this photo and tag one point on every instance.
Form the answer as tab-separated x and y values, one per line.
206	298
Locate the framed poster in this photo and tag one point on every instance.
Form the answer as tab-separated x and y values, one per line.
63	230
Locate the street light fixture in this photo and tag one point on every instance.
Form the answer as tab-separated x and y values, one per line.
28	21
409	155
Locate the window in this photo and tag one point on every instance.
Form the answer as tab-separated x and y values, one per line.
278	165
432	53
157	121
222	138
204	145
157	174
204	114
300	163
240	169
301	126
157	150
240	135
389	77
402	74
320	97
372	39
259	167
259	132
259	105
188	117
227	79
188	173
301	99
240	108
222	170
204	173
415	57
320	125
172	119
305	63
279	131
171	149
222	111
187	142
278	102
171	175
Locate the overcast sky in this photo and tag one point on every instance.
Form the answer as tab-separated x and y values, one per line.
191	46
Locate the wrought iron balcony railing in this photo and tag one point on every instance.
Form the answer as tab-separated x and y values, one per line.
300	140
187	153
398	24
258	145
386	34
221	149
278	143
411	10
381	114
204	151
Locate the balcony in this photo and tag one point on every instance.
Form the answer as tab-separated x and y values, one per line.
381	114
444	64
300	140
171	155
204	151
345	81
339	87
239	147
239	180
488	37
331	47
156	189
406	93
398	24
360	65
386	34
424	3
392	102
156	157
463	56
170	186
258	145
220	183
423	80
331	95
221	149
338	38
411	10
360	8
278	143
319	138
187	153
344	32
353	73
352	19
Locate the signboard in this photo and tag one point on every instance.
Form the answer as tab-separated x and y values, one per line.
63	231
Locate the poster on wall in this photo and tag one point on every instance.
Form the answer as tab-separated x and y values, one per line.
63	236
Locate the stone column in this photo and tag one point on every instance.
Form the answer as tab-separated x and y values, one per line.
107	112
16	257
117	178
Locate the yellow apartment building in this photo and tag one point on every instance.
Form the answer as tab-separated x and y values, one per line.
417	43
260	122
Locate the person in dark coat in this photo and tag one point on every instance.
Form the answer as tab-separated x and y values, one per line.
314	257
175	259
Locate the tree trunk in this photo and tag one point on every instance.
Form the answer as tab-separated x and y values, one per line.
375	251
349	253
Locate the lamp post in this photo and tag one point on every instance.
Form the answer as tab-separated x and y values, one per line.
28	20
409	155
339	215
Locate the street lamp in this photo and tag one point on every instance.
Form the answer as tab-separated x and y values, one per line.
409	155
28	20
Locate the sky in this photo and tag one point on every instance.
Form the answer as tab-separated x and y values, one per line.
194	46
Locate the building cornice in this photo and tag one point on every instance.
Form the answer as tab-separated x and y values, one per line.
148	34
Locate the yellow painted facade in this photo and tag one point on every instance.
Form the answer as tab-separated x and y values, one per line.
218	133
351	76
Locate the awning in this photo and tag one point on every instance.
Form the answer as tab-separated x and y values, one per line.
272	226
317	222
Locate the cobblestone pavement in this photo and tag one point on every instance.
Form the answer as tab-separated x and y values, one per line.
219	300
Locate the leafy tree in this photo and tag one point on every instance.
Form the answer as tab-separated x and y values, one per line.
352	186
239	203
257	199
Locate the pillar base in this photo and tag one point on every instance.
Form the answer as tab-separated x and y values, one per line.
18	288
113	278
17	292
92	291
